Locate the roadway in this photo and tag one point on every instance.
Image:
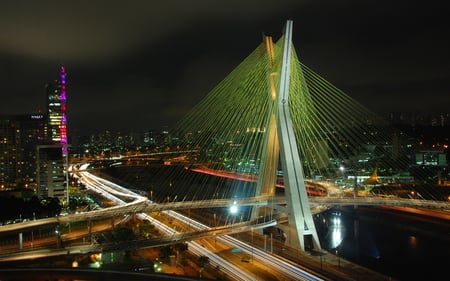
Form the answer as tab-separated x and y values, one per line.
231	269
143	205
117	194
128	202
131	203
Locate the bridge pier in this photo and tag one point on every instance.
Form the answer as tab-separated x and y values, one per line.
281	144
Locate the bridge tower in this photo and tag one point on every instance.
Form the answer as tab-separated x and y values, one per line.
281	145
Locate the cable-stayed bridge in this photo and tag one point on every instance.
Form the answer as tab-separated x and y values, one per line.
139	204
131	203
274	119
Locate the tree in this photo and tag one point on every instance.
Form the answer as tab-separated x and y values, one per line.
53	207
123	234
35	207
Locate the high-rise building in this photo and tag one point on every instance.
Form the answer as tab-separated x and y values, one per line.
52	158
56	110
51	172
19	136
34	148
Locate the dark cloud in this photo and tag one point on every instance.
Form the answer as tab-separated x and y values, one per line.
138	65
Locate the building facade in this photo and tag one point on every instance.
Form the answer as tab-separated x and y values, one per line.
52	158
19	136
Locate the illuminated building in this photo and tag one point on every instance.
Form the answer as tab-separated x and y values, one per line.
51	172
52	158
19	136
56	110
431	158
33	147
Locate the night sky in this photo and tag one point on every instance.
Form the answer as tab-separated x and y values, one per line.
139	65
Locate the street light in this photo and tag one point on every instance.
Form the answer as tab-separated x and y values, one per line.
342	170
234	208
252	244
339	258
58	237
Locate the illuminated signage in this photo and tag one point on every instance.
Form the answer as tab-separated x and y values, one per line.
37	116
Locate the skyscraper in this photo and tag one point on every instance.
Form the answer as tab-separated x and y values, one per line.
56	110
52	158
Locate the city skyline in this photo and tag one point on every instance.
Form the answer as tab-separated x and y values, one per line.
141	66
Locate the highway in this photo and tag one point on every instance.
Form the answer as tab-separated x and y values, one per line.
140	204
128	202
112	191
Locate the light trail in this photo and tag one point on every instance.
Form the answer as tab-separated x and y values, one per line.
139	203
102	186
282	266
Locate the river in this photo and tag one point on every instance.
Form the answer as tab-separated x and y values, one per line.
398	244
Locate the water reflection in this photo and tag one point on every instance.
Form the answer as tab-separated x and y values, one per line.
388	242
336	230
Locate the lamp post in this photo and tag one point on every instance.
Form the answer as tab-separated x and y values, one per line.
233	211
271	242
342	171
265	242
215	225
252	244
58	237
339	258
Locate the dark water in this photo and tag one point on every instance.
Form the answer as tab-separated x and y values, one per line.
400	245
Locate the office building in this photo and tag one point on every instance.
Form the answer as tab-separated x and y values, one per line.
52	158
19	136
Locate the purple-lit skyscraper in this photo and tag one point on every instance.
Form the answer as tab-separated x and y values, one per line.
52	157
56	110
